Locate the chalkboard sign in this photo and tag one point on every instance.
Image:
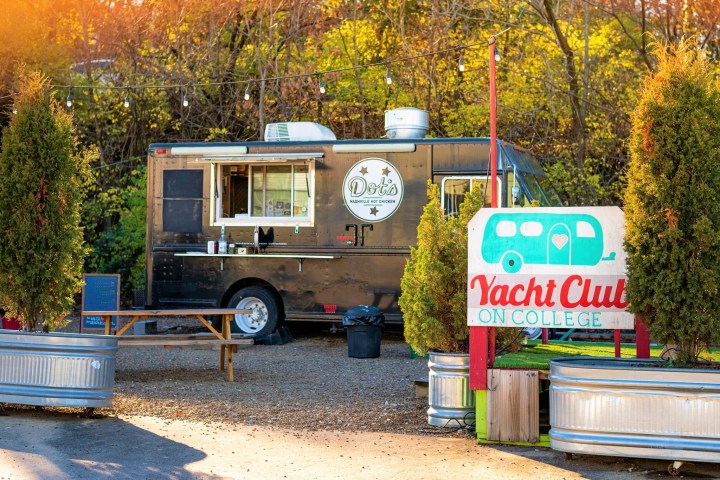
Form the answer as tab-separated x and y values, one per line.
182	201
182	216
100	292
182	183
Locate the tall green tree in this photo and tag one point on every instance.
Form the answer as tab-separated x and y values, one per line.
672	203
41	172
433	299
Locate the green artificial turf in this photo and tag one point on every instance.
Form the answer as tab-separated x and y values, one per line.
535	355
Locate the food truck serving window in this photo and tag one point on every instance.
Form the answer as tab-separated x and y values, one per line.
272	193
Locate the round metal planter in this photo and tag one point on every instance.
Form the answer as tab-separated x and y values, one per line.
452	403
628	407
57	369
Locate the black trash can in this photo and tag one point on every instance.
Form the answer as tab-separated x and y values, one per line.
364	326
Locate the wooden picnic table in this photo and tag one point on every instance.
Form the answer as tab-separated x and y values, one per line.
228	342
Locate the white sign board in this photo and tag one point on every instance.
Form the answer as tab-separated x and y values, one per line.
373	189
547	267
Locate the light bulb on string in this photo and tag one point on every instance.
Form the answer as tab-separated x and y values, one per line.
14	109
322	86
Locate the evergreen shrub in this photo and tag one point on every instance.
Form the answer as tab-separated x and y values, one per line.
41	172
672	204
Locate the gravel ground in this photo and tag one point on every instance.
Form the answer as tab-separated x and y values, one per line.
309	383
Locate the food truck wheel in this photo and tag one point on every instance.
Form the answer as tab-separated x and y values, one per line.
266	311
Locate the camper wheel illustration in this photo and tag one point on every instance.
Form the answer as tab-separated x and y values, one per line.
515	239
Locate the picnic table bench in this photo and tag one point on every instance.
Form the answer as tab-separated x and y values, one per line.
227	341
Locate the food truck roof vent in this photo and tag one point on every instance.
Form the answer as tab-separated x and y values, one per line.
406	123
297	132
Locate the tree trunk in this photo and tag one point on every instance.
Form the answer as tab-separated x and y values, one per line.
578	121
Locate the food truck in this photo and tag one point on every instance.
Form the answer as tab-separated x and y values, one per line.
307	225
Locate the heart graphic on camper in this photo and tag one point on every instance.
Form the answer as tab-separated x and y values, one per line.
559	240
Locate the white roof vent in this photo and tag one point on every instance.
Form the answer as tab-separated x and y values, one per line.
297	132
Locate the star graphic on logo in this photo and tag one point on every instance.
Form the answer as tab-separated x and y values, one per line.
386	171
363	170
373	211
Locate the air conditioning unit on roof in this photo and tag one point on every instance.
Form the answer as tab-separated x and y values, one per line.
297	132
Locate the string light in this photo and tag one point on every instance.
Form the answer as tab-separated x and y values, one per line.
461	64
69	100
14	109
497	54
385	63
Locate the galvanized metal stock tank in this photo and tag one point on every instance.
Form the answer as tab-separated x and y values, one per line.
57	369
613	406
452	403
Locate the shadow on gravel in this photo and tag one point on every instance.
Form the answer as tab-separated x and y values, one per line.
60	443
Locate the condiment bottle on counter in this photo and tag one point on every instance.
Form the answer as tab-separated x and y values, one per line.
230	244
222	242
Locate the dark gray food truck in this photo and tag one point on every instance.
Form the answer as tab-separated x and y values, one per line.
312	225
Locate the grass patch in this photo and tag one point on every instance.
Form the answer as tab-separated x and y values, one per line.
536	356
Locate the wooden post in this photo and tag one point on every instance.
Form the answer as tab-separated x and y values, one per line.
642	339
227	348
107	320
222	345
616	336
478	357
491	346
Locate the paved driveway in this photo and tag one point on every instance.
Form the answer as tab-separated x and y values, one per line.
42	445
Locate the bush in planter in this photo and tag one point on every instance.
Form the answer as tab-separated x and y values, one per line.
434	284
41	172
672	204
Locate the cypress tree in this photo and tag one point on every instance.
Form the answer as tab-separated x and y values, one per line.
41	171
672	204
434	283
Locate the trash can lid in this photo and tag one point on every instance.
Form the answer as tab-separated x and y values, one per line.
363	311
363	315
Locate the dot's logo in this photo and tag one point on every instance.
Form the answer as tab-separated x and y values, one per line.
372	189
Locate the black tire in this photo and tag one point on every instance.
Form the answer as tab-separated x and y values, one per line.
266	317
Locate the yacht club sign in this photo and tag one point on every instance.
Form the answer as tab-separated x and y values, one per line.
548	267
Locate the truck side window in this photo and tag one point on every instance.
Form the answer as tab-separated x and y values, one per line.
271	193
454	189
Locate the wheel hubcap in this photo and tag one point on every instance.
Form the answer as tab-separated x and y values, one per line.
255	321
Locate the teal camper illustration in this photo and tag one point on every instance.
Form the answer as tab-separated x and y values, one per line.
515	239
